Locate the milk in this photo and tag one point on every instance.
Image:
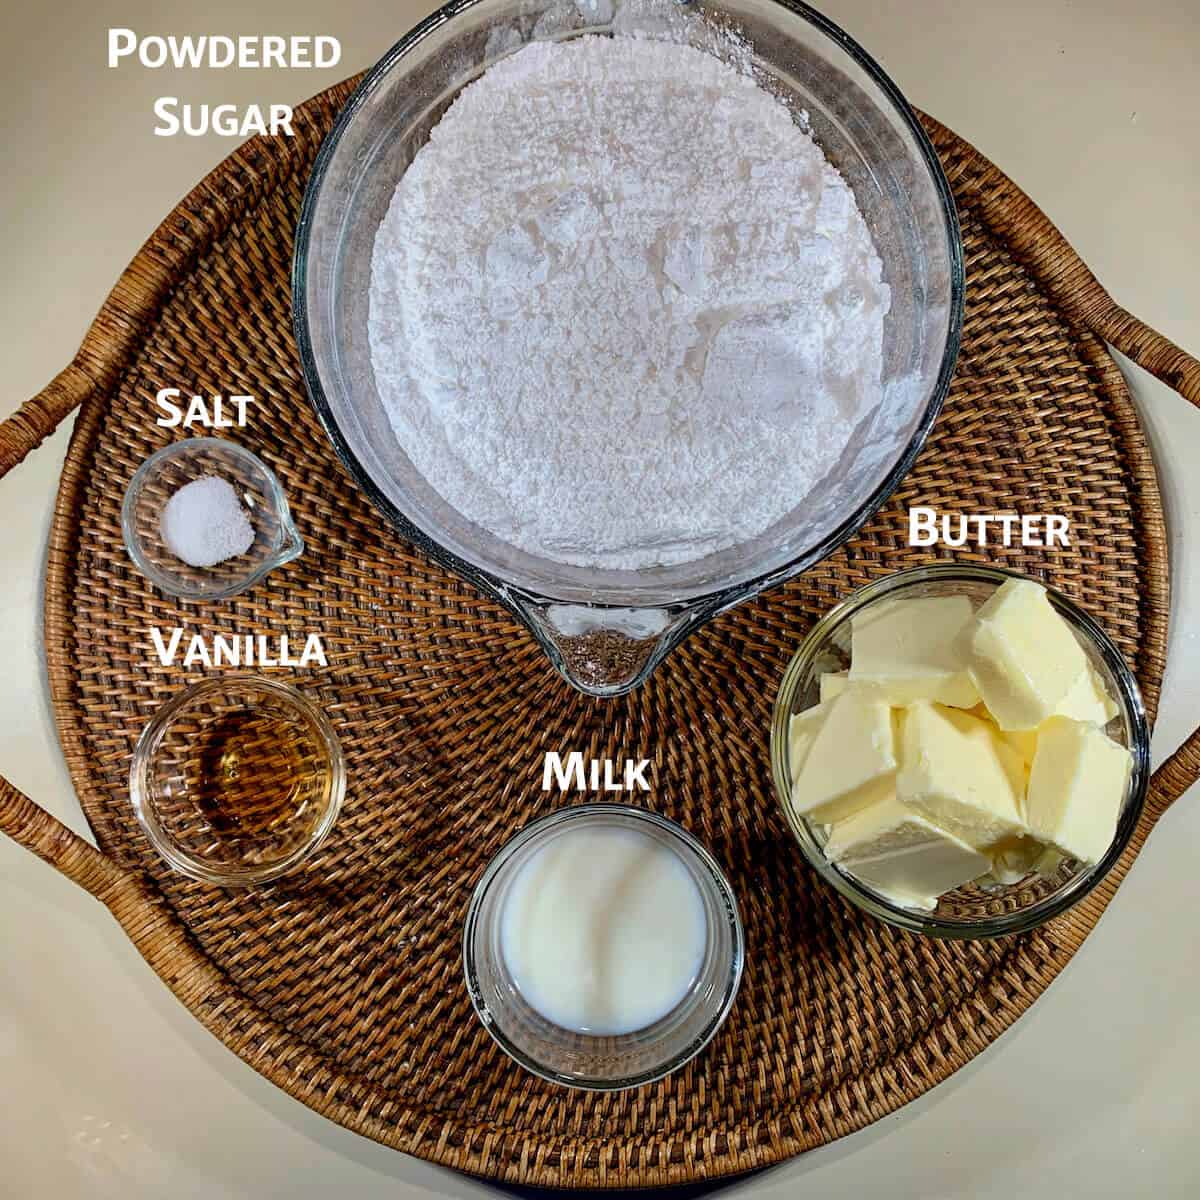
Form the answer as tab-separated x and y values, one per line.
603	930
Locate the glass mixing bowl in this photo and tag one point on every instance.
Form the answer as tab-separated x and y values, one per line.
974	910
583	1060
605	630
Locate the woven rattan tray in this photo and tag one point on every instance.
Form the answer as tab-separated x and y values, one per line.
343	984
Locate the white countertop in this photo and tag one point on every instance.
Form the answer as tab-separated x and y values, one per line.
110	1088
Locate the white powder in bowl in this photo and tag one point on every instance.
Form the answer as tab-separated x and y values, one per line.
623	312
204	523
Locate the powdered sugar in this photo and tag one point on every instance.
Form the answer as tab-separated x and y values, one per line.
623	312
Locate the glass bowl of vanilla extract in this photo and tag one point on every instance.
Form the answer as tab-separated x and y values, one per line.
237	780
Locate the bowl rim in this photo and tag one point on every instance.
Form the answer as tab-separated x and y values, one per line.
150	740
290	545
625	813
1132	709
703	604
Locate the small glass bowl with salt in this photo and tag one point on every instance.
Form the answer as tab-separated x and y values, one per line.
205	519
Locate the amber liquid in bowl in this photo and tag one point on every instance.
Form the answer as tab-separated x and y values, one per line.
237	780
254	778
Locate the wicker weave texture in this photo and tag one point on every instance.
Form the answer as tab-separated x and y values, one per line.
343	984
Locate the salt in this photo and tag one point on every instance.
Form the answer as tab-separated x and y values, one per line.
204	523
623	312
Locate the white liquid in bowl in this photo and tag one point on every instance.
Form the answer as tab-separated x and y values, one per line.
603	931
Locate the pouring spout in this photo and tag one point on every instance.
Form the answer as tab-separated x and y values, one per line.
603	651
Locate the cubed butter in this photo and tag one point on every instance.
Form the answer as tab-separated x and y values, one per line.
955	771
802	731
851	761
1022	655
885	826
1076	788
960	745
903	855
1023	741
912	650
1088	699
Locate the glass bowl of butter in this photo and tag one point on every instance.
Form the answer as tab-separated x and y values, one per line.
960	751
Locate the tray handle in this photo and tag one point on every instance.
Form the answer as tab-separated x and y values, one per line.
1036	242
23	820
1175	776
1147	347
38	418
34	828
148	924
1180	371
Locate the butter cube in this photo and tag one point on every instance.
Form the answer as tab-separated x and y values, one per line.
912	650
958	774
1022	655
1076	788
833	683
1088	699
885	826
851	761
1023	741
802	731
902	855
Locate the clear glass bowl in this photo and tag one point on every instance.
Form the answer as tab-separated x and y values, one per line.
583	1060
605	630
972	911
237	780
276	540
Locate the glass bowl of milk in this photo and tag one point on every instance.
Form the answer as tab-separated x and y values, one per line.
603	947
